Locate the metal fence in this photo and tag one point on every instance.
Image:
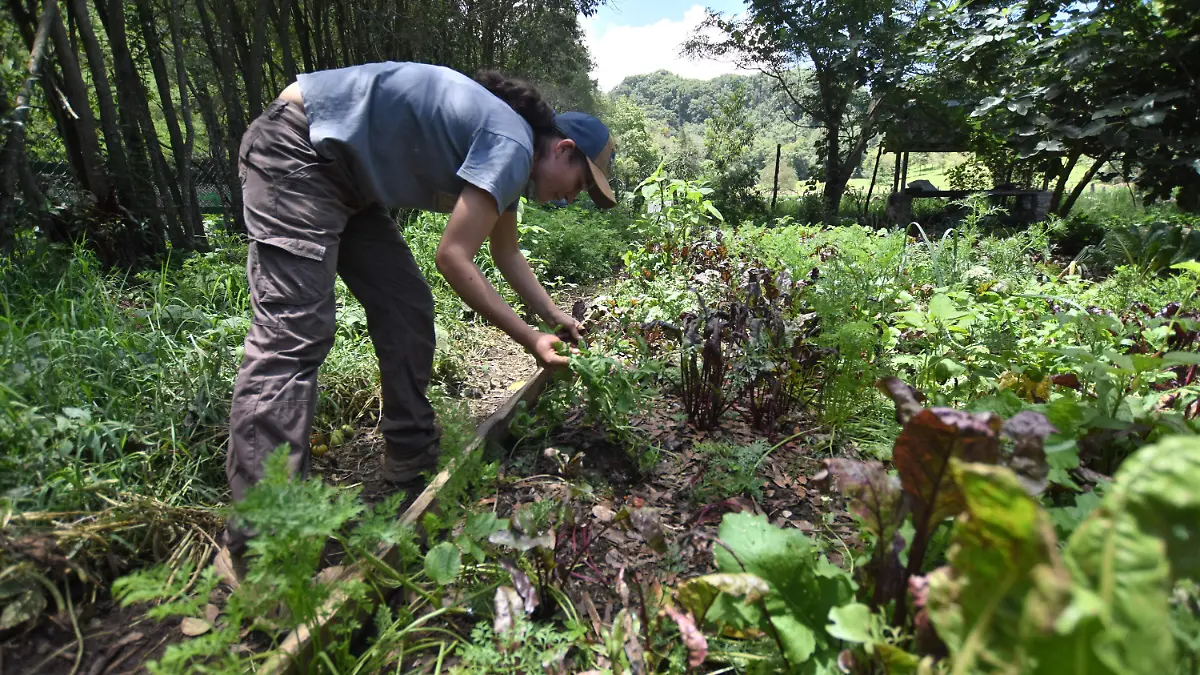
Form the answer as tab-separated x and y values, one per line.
209	179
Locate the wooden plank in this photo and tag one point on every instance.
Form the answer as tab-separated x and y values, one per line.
296	650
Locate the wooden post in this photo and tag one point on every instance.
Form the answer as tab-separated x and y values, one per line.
904	176
871	188
775	191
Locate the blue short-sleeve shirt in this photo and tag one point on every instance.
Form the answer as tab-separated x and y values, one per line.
414	134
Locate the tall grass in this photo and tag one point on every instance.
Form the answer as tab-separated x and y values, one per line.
110	386
113	384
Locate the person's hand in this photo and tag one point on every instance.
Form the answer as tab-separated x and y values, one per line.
565	325
545	348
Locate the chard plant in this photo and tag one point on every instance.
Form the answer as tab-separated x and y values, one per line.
1009	596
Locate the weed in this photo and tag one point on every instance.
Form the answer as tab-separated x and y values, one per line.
729	470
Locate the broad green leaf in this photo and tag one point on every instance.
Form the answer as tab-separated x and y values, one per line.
697	595
1148	118
1187	265
1159	486
896	661
1126	572
804	585
28	603
799	641
851	623
1005	579
1181	359
443	563
943	309
1145	362
946	369
479	526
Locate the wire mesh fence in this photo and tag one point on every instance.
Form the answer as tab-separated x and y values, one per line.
210	180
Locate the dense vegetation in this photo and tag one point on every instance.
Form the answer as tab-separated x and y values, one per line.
808	440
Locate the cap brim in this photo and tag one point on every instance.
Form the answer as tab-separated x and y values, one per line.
600	191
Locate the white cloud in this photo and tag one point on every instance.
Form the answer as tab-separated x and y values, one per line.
620	51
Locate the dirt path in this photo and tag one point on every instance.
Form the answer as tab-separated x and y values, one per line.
496	368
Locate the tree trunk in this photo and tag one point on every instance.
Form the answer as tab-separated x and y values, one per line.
279	15
28	24
235	118
14	145
254	64
1061	185
81	121
302	34
141	199
163	83
118	163
219	147
1065	207
835	178
133	97
183	160
343	29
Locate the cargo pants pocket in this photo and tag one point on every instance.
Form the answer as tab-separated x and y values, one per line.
289	271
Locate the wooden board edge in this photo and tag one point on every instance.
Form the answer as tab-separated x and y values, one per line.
296	649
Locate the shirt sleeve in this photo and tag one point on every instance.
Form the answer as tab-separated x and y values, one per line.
500	165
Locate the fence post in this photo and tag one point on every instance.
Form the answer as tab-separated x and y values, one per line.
775	190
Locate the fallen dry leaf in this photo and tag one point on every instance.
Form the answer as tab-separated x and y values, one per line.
329	574
603	513
191	626
211	612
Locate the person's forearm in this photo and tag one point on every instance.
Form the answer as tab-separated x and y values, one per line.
468	282
520	276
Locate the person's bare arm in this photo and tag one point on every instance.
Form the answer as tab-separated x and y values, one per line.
472	220
506	252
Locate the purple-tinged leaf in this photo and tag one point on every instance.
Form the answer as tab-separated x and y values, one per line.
873	495
923	452
1028	431
907	399
508	607
922	455
524	587
693	639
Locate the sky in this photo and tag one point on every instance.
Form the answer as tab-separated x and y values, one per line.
631	37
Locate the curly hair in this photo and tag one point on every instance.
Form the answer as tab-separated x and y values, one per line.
523	98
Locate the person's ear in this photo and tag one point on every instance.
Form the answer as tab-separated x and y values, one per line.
566	146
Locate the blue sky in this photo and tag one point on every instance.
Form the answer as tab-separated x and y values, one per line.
630	37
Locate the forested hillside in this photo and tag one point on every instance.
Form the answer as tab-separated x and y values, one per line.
676	105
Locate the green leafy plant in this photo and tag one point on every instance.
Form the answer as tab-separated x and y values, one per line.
676	213
729	470
770	581
1152	247
1008	598
280	592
